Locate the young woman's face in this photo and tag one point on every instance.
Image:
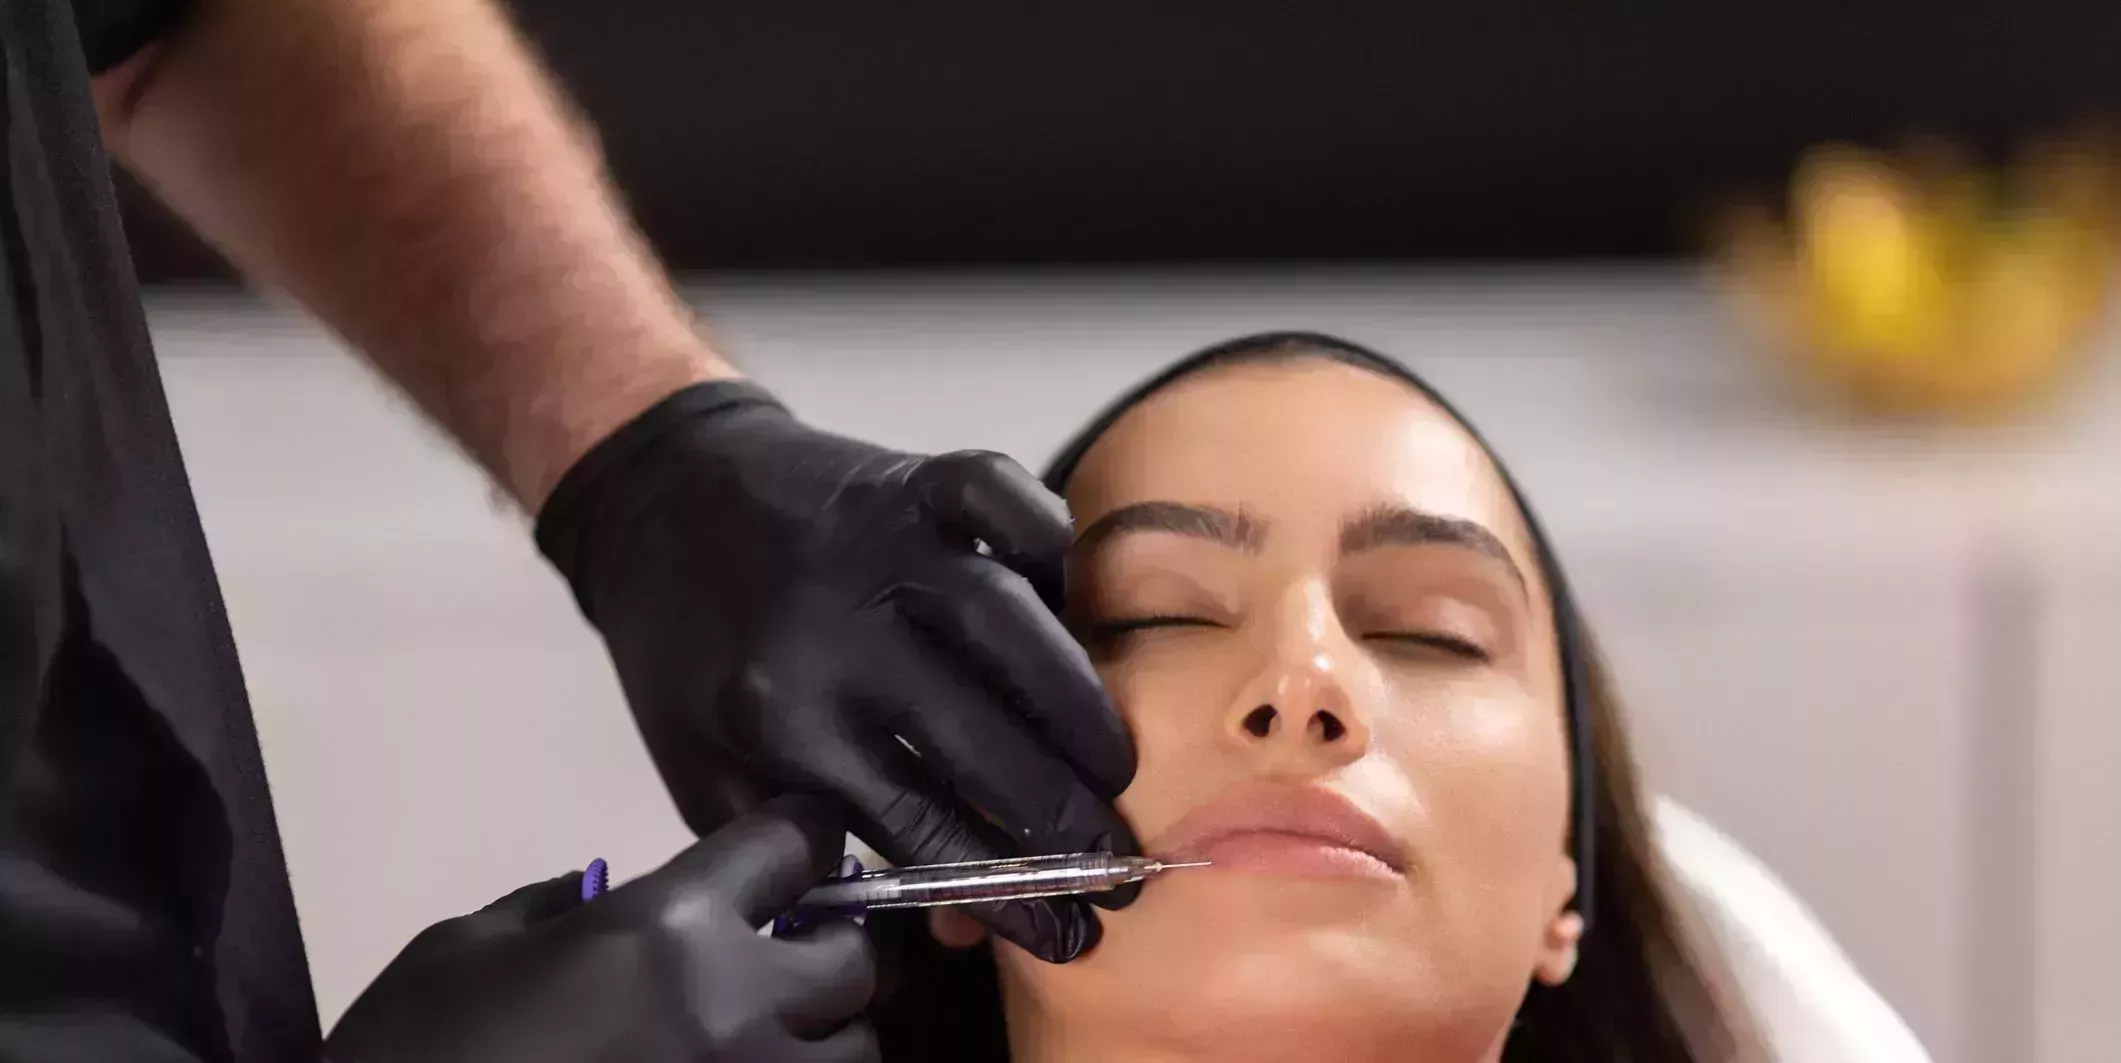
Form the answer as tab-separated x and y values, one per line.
1311	596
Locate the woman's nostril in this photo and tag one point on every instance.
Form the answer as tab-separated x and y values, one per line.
1330	727
1260	721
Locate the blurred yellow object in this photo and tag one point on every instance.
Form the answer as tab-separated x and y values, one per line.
1912	285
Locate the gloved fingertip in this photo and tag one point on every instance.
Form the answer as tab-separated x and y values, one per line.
1115	899
540	901
1080	928
1055	931
522	908
1108	834
1047	576
1111	783
819	819
1103	749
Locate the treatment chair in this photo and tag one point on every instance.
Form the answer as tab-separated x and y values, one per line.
1811	1004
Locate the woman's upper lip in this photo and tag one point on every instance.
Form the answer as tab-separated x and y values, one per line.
1305	811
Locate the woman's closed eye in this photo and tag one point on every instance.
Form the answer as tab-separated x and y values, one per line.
1127	625
1110	631
1419	641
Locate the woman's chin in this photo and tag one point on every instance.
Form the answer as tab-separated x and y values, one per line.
1225	960
1242	993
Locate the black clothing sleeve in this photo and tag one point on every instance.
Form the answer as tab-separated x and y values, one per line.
145	912
113	31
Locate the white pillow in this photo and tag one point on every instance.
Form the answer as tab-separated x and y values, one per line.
1807	997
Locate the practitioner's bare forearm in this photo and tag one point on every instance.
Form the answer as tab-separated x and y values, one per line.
405	169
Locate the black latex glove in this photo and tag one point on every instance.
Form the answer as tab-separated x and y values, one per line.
666	969
789	609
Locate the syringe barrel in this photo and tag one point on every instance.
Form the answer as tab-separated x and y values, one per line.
1001	881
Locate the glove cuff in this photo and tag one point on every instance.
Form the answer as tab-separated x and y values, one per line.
563	519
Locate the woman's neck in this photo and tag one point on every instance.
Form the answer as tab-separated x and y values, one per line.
1033	1049
1036	1036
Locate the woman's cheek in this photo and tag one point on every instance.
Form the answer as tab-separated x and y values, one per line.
1146	681
1123	685
1155	707
1495	773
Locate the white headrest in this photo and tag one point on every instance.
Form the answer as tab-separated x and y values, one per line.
1809	1000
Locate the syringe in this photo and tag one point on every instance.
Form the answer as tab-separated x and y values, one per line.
853	892
983	881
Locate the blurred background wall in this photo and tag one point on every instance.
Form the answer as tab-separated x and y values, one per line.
849	134
1878	651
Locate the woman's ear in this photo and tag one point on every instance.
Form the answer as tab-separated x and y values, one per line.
1558	947
953	929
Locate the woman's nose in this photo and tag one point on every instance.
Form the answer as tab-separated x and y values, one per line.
1301	709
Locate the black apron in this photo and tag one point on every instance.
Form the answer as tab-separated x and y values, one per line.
145	912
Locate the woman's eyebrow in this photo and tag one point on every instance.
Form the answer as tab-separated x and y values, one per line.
1238	530
1396	525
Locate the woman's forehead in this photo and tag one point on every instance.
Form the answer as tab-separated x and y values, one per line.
1302	443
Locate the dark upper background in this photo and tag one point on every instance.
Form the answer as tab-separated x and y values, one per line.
839	133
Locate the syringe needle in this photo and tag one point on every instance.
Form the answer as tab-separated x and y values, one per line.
1161	866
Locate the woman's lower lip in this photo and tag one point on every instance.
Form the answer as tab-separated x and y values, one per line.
1276	853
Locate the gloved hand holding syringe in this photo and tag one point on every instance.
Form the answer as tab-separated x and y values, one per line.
854	892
